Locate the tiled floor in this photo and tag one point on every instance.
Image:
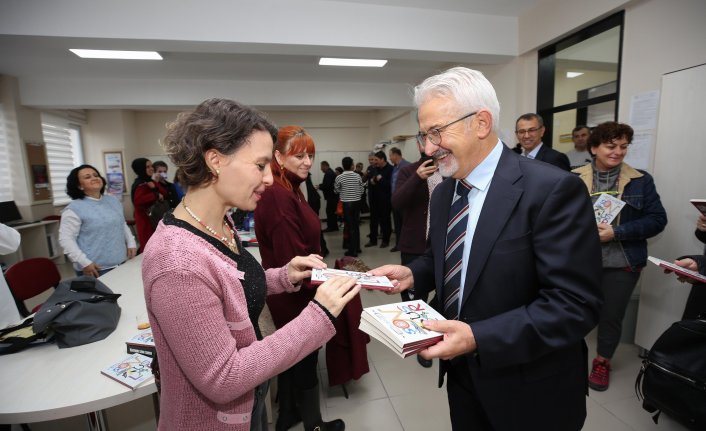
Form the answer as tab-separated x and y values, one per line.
397	394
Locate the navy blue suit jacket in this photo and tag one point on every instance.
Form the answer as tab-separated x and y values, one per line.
532	293
553	157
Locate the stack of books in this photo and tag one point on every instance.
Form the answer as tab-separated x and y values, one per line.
142	343
399	326
132	371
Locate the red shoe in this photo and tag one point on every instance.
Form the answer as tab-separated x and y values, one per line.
599	379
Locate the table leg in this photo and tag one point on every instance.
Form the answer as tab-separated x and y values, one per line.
97	421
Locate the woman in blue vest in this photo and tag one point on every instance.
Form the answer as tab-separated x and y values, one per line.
93	232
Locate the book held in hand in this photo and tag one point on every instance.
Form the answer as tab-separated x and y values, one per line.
370	282
399	326
142	343
606	208
693	275
132	371
700	205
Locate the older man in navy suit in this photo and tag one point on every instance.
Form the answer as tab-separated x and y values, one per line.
515	261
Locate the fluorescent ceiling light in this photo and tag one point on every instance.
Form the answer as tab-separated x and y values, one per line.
122	55
573	74
358	62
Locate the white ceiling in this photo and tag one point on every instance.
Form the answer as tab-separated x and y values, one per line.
262	52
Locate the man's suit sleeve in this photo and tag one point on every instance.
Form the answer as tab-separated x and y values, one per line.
567	261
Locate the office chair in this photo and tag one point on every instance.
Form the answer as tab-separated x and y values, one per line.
30	277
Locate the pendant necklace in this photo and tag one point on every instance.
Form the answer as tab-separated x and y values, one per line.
224	239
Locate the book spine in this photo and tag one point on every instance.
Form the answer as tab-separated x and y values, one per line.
147	351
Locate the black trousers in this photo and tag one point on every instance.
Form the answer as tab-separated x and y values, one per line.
464	407
383	210
397	223
351	217
331	223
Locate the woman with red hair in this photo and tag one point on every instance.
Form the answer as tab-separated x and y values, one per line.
286	226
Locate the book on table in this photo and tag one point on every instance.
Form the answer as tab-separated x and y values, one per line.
399	326
606	208
678	269
132	370
700	205
142	342
370	282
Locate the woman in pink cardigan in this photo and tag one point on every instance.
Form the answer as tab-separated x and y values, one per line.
204	292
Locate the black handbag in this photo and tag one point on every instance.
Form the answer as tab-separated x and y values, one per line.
80	311
157	210
673	377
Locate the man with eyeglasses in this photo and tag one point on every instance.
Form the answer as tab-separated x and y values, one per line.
529	129
514	259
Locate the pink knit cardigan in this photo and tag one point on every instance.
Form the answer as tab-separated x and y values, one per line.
209	357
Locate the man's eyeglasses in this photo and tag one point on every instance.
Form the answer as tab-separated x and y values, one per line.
434	135
531	131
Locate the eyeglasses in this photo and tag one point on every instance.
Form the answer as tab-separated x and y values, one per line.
434	135
530	131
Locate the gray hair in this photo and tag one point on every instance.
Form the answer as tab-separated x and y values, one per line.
469	88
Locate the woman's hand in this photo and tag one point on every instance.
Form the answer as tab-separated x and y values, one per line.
91	270
131	252
336	292
300	267
605	232
701	223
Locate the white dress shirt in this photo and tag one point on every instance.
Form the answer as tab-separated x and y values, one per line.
480	178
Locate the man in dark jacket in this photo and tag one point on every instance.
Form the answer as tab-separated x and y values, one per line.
530	130
331	197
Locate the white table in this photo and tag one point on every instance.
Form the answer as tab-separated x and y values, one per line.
46	383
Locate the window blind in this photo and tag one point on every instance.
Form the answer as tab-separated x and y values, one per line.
63	152
5	177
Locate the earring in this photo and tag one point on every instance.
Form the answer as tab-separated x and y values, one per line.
218	172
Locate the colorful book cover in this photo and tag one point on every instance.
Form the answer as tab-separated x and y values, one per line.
131	371
142	343
143	338
607	208
372	282
401	324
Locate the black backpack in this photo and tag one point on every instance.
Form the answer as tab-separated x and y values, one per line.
673	377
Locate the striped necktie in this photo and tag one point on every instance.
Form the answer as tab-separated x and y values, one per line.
453	256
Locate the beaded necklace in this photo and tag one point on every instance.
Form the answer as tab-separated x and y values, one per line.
224	239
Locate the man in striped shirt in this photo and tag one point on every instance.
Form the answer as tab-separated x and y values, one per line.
349	188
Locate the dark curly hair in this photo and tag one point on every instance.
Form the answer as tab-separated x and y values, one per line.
607	132
220	124
73	184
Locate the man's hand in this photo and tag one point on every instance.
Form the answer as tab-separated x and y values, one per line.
131	252
426	169
458	339
401	277
701	223
687	263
